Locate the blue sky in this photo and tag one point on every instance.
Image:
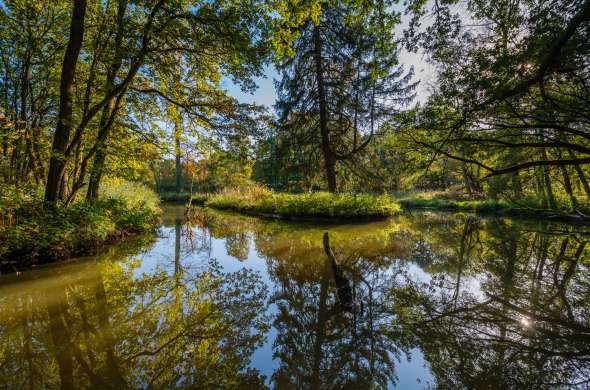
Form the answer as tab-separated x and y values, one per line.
423	71
266	94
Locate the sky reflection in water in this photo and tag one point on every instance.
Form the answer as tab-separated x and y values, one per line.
233	301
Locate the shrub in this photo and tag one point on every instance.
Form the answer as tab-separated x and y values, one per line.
133	194
31	231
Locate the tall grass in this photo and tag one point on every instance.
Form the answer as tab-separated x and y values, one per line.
444	201
258	199
31	231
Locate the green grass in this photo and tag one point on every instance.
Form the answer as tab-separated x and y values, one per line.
32	232
260	200
444	201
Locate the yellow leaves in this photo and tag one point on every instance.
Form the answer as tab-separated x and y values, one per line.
292	14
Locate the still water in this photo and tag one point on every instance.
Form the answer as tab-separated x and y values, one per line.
219	300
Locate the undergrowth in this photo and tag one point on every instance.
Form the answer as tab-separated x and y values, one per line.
33	232
197	199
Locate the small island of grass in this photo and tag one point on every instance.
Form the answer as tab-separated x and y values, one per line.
319	205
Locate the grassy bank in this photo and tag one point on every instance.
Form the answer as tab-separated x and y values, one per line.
32	232
257	200
529	207
261	201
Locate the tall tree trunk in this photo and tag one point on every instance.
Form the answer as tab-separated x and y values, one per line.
466	178
22	125
6	111
178	153
516	185
549	188
540	186
96	174
108	111
547	182
567	184
329	157
57	163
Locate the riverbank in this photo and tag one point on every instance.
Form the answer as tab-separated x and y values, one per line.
183	197
32	232
528	208
323	207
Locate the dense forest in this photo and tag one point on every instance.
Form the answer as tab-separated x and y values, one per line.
121	95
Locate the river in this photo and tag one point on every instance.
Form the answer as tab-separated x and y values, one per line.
221	300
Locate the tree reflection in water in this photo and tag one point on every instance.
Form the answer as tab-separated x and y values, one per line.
501	304
491	303
520	319
97	325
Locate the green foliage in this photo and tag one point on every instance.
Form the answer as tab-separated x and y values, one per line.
257	199
439	200
343	80
31	231
135	195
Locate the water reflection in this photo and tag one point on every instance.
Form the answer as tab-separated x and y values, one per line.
525	326
96	325
488	303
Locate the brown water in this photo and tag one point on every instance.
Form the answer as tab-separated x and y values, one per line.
226	301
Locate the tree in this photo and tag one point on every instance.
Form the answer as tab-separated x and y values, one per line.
191	45
342	80
513	87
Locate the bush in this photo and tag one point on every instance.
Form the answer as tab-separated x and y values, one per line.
134	195
31	231
261	200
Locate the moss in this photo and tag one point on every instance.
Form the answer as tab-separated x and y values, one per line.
320	204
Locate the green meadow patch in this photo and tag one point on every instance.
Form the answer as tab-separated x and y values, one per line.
259	200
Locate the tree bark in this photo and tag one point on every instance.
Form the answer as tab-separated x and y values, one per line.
57	163
516	185
547	182
567	184
106	119
329	156
540	186
22	126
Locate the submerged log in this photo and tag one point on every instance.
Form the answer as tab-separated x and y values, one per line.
343	284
